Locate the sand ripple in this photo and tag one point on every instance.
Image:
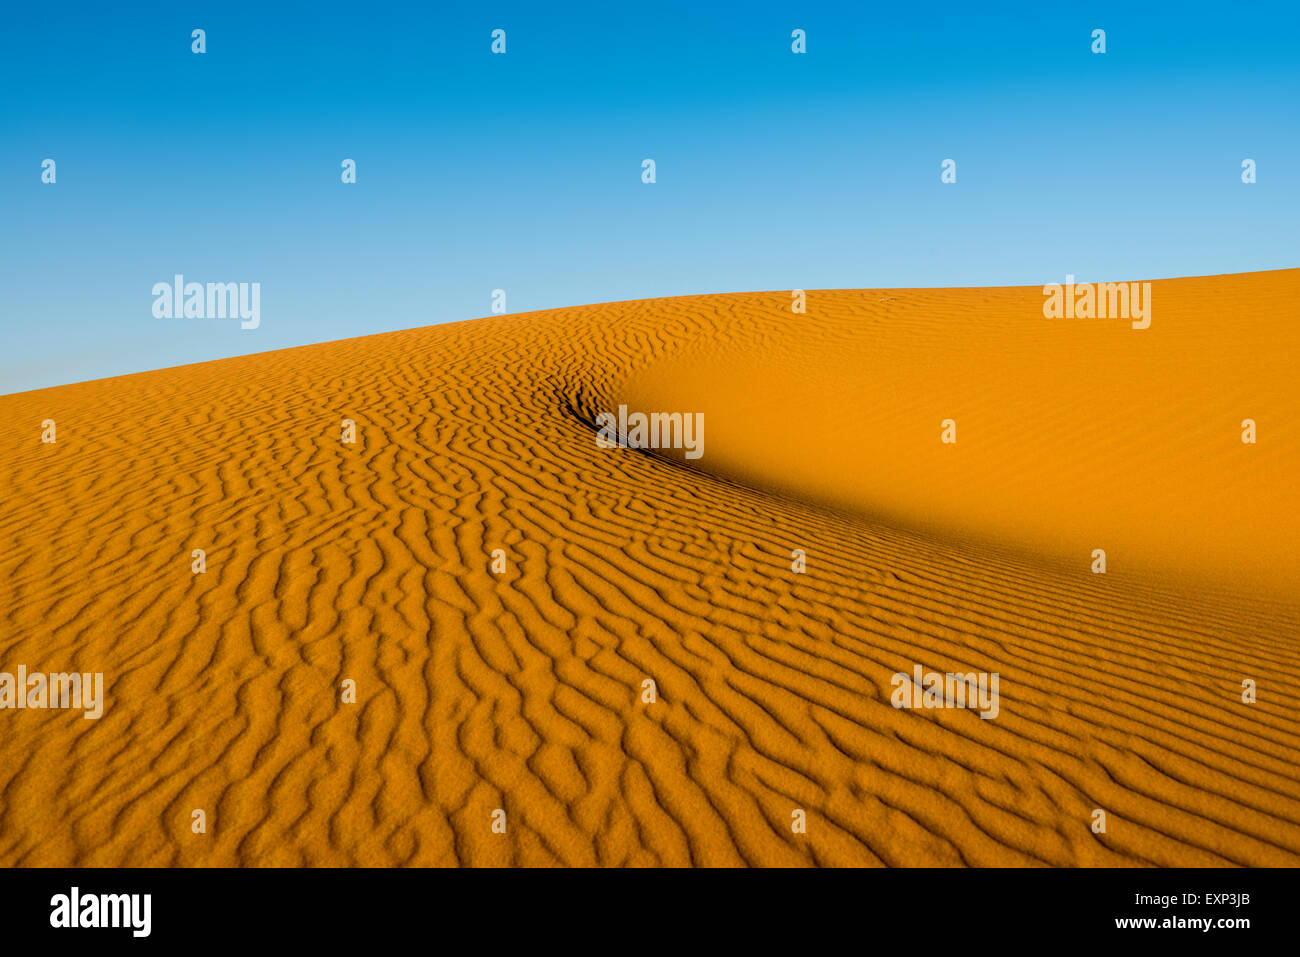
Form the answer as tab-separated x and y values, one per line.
522	691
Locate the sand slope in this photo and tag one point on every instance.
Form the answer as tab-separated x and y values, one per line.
521	691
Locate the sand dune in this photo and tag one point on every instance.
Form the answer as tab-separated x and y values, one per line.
522	691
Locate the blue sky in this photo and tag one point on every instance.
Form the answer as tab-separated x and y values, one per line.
523	171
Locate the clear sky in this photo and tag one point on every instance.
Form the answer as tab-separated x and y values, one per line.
523	171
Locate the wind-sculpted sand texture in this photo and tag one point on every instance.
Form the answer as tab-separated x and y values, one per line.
522	691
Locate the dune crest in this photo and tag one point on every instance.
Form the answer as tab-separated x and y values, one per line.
522	689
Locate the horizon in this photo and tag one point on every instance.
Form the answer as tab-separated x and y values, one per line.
611	302
522	172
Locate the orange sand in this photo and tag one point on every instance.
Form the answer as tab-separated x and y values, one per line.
522	691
